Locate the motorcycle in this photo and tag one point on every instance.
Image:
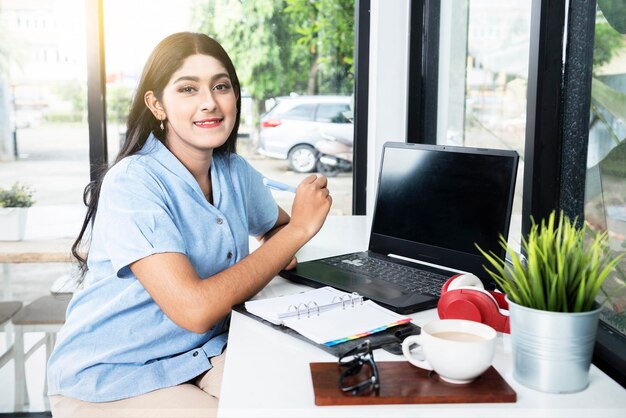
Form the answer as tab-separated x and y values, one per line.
334	153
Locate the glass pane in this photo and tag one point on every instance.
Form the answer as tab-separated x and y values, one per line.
483	74
43	92
287	53
332	113
44	144
605	192
281	54
125	55
44	137
300	112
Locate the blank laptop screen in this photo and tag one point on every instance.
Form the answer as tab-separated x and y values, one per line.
447	197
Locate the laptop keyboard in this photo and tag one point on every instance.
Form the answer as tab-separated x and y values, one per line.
412	279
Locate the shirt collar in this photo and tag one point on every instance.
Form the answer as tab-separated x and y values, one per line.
155	148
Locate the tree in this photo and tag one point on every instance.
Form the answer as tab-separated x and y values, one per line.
284	46
607	43
325	30
76	95
256	36
119	100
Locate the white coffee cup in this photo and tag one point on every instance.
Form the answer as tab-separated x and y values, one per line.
457	350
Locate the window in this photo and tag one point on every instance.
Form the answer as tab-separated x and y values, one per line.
299	112
605	189
332	113
291	58
43	144
572	162
474	79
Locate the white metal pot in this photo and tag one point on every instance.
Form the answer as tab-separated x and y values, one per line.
12	223
552	350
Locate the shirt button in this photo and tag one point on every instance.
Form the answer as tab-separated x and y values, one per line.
229	255
220	221
195	353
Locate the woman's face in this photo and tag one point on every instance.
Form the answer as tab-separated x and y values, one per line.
200	104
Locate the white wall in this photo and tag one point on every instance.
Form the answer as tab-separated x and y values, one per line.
389	36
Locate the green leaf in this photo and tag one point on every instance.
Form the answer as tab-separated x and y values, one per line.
611	99
18	196
615	13
562	272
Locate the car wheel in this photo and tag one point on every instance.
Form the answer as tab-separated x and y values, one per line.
327	170
302	159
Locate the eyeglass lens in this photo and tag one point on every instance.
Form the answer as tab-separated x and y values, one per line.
356	379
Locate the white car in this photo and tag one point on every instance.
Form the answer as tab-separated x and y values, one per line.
292	127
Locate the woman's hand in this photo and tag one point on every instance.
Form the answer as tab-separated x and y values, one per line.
311	205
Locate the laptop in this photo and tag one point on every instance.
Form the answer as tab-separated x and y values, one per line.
434	204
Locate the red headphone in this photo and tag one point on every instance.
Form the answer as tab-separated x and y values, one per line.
464	297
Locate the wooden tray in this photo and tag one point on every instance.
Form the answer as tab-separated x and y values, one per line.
403	383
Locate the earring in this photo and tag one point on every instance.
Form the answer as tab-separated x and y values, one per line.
161	126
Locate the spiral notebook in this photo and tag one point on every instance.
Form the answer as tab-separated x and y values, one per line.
326	315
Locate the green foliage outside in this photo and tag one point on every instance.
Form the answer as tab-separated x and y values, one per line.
119	99
325	29
76	95
607	44
564	271
118	102
18	196
284	46
63	117
615	12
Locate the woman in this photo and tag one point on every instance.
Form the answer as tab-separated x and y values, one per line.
168	255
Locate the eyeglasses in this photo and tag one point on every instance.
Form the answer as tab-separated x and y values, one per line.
351	380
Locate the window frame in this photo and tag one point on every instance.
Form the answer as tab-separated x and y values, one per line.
553	178
557	120
423	72
96	92
96	88
362	18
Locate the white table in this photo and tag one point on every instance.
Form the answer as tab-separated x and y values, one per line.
50	233
267	372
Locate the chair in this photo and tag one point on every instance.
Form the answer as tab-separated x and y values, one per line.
7	310
47	315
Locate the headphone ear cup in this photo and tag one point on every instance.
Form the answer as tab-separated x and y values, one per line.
472	303
464	281
452	305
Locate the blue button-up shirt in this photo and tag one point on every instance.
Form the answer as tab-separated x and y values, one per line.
116	342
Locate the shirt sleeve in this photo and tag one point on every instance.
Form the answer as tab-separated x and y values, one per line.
262	208
133	219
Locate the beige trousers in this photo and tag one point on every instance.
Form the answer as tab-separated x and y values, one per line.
198	398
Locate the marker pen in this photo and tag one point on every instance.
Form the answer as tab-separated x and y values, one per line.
276	185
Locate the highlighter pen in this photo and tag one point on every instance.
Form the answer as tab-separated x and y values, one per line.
276	185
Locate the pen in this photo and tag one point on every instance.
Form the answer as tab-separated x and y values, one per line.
276	185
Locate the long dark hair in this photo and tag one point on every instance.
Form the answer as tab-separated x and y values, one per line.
168	56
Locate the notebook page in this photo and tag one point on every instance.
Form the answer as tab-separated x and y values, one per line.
340	325
270	309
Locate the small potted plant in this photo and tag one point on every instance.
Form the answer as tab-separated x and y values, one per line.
14	204
552	302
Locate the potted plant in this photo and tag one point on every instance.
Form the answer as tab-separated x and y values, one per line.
14	204
552	302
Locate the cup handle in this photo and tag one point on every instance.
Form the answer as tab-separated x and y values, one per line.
406	344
